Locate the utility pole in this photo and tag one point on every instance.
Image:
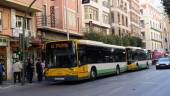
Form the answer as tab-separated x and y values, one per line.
110	14
67	26
22	46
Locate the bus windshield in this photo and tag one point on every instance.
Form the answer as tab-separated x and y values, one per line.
61	54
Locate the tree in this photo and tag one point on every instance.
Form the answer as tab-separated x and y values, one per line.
166	4
114	40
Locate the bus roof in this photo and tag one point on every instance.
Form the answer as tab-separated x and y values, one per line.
133	47
90	42
96	43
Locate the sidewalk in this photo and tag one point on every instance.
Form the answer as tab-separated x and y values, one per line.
10	84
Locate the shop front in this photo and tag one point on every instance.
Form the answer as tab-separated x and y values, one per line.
3	53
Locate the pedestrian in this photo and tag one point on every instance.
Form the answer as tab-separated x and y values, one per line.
39	70
43	65
1	72
30	70
17	68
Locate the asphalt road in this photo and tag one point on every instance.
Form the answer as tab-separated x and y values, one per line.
150	82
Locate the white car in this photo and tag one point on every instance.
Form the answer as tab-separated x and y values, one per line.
163	63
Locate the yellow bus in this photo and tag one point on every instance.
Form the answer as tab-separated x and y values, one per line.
137	58
73	60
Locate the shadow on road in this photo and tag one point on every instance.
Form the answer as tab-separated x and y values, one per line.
98	79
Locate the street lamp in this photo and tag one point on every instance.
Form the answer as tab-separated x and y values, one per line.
110	15
23	43
68	34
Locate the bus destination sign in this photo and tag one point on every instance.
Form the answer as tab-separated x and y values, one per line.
61	45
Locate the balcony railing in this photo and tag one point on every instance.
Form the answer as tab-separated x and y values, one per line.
47	21
50	22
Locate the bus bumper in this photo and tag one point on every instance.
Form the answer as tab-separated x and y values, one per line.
62	78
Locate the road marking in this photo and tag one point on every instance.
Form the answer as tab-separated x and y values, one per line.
6	87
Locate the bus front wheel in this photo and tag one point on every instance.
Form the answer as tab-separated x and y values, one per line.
137	67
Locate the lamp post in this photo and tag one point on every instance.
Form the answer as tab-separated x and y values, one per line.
23	43
67	27
110	15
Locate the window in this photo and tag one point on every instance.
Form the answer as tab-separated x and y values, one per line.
142	23
19	22
91	13
61	55
123	20
89	54
71	18
78	6
105	18
95	0
28	24
0	21
19	26
52	16
113	31
112	15
106	4
119	32
86	12
118	18
126	22
44	17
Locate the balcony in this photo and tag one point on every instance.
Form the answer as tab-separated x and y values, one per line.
47	21
51	24
22	4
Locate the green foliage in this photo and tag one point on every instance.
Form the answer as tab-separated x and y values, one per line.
114	40
166	4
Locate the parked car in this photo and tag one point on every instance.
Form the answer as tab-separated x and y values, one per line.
163	63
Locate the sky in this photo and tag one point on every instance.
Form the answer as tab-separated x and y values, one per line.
157	2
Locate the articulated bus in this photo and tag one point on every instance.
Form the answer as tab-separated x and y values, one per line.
137	58
73	60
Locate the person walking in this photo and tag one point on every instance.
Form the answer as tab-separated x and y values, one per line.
17	71
39	70
1	73
43	65
30	70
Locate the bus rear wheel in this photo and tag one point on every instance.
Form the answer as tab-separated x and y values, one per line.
147	65
117	70
93	74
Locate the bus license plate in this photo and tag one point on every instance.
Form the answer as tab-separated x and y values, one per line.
58	78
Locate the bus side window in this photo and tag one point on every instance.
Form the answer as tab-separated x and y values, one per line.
82	56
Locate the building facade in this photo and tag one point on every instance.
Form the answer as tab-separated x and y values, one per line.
95	16
152	27
120	17
58	18
11	25
166	34
135	18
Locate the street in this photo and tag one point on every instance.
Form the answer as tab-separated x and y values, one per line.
149	82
